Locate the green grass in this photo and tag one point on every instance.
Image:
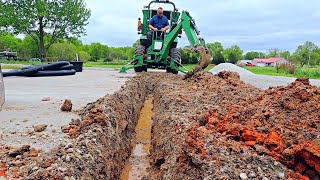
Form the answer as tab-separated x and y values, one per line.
21	62
313	73
116	65
100	64
192	66
11	66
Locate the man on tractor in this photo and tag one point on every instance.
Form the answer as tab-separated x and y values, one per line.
158	22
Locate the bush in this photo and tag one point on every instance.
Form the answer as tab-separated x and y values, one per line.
84	56
65	51
288	68
308	73
189	57
107	59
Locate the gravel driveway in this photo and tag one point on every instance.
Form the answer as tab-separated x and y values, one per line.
260	81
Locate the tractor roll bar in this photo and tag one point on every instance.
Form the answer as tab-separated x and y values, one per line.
160	1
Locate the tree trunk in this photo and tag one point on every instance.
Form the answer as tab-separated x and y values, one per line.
41	38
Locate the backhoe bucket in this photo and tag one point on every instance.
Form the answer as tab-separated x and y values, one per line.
205	58
2	92
203	63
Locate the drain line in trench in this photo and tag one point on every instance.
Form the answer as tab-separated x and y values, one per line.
138	162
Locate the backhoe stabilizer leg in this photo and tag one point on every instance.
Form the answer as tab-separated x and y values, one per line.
137	62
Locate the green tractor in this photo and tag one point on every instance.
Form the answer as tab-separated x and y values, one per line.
162	51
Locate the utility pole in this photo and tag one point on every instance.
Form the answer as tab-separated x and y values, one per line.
309	61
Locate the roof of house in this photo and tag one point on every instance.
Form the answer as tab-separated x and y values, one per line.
269	60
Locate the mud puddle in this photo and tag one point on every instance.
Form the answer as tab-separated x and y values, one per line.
136	166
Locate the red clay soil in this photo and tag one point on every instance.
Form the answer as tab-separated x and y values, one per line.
217	127
284	120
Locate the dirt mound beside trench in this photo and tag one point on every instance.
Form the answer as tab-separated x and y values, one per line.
101	140
217	127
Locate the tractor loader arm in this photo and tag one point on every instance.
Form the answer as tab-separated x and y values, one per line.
188	24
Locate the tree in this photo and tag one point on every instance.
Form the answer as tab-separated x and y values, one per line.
97	51
63	51
189	57
252	54
8	41
274	52
84	56
235	52
136	43
216	50
306	53
218	58
39	18
285	54
28	48
75	41
233	58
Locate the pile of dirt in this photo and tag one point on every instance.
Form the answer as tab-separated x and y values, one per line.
14	161
283	122
216	127
101	140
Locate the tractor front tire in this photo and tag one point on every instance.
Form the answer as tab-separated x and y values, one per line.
175	54
140	51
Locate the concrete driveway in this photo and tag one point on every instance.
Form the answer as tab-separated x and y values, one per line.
24	107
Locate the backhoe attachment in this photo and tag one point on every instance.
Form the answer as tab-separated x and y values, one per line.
203	62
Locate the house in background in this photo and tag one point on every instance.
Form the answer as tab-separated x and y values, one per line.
272	62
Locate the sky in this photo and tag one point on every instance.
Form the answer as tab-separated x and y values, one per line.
254	25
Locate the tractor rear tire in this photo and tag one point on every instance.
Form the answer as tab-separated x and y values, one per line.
175	54
140	51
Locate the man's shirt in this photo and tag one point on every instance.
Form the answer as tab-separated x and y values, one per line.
159	22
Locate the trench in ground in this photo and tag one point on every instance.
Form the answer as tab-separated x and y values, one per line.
137	164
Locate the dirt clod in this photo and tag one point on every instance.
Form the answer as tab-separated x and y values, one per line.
67	105
46	99
40	127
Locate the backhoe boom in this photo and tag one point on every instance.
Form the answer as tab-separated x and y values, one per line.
186	23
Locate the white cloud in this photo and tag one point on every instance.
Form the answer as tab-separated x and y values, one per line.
250	23
316	14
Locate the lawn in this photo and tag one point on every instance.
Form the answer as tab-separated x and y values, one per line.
192	66
267	71
305	72
11	64
100	64
118	66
